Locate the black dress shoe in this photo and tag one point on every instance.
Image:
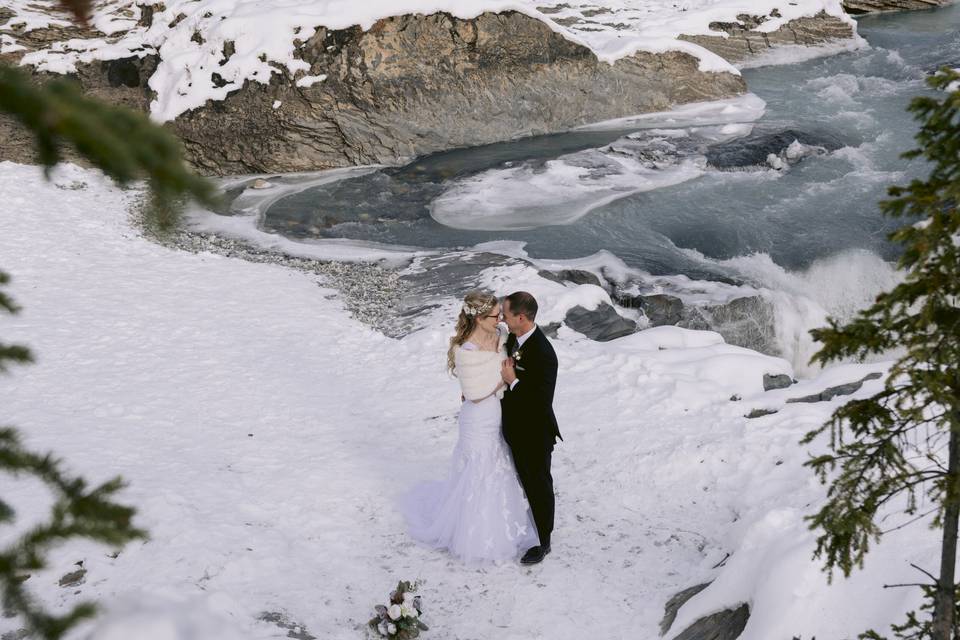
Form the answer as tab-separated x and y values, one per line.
535	555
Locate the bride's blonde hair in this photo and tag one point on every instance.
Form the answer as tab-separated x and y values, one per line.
476	304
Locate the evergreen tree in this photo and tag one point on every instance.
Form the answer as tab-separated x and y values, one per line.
904	441
126	146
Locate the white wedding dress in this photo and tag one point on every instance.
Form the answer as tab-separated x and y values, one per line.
479	513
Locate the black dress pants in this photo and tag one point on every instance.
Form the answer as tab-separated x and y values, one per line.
533	469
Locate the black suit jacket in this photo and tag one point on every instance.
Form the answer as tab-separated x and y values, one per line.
528	419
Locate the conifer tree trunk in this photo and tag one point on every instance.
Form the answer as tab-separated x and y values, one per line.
944	602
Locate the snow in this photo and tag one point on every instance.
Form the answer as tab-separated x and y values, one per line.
266	436
263	34
309	81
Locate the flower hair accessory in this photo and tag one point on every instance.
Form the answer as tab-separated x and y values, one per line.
472	311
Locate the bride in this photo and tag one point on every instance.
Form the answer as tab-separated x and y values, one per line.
479	513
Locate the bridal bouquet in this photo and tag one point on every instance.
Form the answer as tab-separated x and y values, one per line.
401	617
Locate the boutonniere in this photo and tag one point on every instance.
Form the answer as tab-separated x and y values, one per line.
517	355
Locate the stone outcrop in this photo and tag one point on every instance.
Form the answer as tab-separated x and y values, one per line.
723	625
675	602
743	42
840	390
601	324
857	7
410	86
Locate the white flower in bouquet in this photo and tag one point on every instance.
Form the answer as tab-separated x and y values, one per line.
408	598
394	612
391	628
382	628
408	610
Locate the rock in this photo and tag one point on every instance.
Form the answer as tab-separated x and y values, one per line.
780	381
743	41
746	322
576	276
857	7
380	104
281	619
674	603
840	390
757	148
550	330
260	183
759	413
724	625
602	324
74	578
659	308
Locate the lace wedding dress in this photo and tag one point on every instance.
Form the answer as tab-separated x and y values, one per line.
479	512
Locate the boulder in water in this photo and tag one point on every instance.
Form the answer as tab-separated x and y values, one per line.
576	276
776	149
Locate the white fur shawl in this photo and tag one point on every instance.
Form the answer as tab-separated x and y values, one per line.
479	371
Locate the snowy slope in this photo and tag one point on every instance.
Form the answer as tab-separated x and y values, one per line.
263	34
266	436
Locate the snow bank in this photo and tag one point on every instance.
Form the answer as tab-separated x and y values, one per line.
266	436
262	33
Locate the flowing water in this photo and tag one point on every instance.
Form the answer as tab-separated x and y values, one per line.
786	203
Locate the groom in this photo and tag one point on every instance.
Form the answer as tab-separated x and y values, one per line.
529	426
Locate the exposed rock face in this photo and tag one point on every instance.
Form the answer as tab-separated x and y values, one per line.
742	42
412	85
121	82
873	6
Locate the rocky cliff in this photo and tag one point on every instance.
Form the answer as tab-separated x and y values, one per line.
417	84
744	40
872	6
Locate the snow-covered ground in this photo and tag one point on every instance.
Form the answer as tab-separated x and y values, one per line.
266	436
262	33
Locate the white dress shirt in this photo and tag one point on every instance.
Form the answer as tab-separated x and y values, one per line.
520	342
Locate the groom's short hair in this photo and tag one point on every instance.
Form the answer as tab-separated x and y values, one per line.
522	302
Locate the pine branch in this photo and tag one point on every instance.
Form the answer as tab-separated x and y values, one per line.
874	443
123	143
77	512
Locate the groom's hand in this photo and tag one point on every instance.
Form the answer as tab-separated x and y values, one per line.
508	372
